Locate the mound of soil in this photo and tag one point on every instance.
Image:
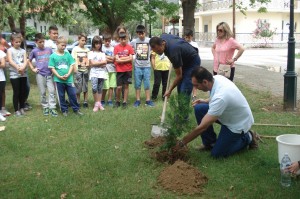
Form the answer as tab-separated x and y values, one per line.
155	142
182	178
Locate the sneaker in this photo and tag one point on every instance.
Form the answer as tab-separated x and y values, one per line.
85	105
109	103
27	106
53	112
18	114
254	143
96	107
117	104
2	118
149	103
203	147
101	107
5	113
137	103
154	98
22	111
65	114
46	111
78	113
124	105
103	103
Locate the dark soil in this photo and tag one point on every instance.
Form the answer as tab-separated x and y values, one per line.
164	155
173	156
182	178
155	142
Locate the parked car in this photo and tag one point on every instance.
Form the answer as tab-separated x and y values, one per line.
87	45
29	44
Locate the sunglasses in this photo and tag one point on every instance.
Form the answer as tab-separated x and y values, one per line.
220	30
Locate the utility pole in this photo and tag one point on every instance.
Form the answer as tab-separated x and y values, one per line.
290	77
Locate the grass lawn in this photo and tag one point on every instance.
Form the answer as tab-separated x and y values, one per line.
101	155
297	56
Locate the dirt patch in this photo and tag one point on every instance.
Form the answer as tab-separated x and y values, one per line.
182	178
173	156
155	142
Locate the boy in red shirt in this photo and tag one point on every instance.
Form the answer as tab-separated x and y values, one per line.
123	62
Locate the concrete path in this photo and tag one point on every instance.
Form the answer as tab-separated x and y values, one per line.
261	69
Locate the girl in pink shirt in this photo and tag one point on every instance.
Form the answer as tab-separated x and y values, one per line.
224	48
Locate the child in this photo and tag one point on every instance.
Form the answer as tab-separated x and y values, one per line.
188	36
111	82
123	62
142	66
161	65
2	79
17	73
43	74
98	71
53	34
3	47
80	54
62	65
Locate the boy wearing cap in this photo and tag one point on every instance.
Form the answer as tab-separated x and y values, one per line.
123	61
142	66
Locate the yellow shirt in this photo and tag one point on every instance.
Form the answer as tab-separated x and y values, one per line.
161	62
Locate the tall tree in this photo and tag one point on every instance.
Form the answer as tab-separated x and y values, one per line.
115	12
15	12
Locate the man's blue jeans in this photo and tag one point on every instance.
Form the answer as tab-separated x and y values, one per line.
71	91
227	143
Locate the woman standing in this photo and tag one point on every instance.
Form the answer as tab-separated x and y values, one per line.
224	48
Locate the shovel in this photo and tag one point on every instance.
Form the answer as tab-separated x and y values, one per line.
160	130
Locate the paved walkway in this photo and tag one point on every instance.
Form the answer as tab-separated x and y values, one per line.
257	68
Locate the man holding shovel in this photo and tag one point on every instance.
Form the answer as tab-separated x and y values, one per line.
183	56
227	106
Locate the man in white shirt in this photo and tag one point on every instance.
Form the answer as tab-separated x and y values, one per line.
227	106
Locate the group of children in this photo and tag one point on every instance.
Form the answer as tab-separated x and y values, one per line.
107	65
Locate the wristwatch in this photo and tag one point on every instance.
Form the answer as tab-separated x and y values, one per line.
181	144
235	59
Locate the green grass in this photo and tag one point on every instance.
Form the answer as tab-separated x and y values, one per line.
297	56
101	155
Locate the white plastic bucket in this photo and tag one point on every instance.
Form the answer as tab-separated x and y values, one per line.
289	143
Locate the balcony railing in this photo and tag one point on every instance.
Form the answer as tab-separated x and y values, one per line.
247	39
214	5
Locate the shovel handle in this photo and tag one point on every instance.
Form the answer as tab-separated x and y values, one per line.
163	115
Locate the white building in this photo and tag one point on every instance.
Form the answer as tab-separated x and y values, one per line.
68	32
212	12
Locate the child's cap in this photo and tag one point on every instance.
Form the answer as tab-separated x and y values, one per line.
122	35
140	28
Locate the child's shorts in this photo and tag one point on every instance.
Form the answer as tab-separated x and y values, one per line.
111	81
124	78
81	81
142	74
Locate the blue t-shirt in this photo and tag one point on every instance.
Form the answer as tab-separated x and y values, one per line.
41	57
181	53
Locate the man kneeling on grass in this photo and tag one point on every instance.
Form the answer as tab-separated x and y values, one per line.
227	106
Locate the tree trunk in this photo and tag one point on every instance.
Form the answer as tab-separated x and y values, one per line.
188	8
11	23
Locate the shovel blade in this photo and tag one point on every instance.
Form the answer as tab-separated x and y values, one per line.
158	131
